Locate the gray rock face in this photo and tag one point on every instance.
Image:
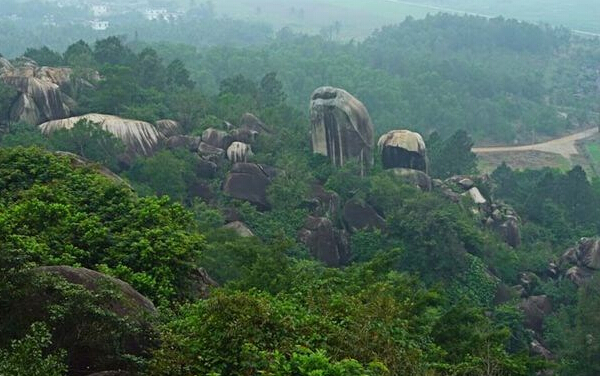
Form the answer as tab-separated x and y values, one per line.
414	177
536	308
247	136
133	303
341	127
581	261
324	203
578	275
403	149
210	152
239	152
190	143
251	122
41	91
216	138
361	216
205	169
249	182
326	243
511	232
168	128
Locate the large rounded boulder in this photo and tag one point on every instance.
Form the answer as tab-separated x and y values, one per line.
101	322
249	182
325	242
403	149
341	127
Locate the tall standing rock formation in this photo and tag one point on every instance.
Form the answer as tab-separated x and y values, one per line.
341	127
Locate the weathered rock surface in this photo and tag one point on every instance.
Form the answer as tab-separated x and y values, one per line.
168	128
239	152
326	243
251	122
361	216
414	177
138	136
536	308
579	262
240	228
210	152
216	138
190	143
42	91
205	169
249	182
403	149
247	136
324	203
341	127
510	231
578	275
133	302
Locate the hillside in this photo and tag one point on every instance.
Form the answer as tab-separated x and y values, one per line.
301	208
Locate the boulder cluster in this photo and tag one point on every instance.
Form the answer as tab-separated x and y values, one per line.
496	216
42	92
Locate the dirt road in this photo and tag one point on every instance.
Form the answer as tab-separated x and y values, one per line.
565	146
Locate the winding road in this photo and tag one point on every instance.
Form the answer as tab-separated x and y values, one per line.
565	146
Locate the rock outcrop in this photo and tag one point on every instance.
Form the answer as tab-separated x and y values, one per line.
249	121
138	136
325	242
239	152
217	138
358	215
190	143
247	136
249	182
580	262
168	128
496	216
133	303
414	177
210	152
536	308
403	149
341	127
41	91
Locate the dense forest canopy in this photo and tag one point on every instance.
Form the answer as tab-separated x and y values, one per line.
176	221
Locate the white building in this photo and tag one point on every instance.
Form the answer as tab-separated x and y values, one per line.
99	10
156	14
99	25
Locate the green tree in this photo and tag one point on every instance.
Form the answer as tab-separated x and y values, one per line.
26	356
79	54
90	141
453	156
178	75
112	51
44	56
270	92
